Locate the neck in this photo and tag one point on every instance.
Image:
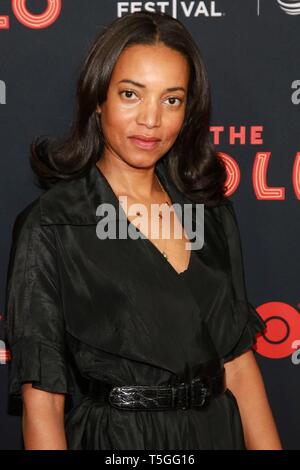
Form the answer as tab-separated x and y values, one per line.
137	183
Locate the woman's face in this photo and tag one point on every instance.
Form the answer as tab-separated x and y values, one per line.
146	107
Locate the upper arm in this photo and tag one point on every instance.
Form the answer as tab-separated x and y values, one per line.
33	315
238	367
35	399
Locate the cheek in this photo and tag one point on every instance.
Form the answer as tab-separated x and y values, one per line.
117	122
173	127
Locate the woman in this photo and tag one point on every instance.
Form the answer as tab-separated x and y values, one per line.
87	314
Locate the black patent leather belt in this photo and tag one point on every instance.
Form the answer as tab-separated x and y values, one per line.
196	393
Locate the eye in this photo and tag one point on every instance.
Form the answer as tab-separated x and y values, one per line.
175	98
130	92
126	91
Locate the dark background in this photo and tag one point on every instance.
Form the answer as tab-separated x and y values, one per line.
252	61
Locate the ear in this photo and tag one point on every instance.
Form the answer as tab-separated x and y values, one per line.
98	109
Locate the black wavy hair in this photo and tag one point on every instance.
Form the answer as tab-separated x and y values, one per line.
192	163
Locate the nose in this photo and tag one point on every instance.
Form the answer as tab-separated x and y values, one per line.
149	113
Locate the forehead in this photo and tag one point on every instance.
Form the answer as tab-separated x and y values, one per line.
152	64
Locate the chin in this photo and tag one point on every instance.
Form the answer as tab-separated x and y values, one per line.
142	162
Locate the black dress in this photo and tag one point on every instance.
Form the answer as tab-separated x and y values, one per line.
79	308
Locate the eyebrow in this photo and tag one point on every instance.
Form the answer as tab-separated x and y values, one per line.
127	80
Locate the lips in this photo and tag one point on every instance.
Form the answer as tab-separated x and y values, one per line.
144	138
143	142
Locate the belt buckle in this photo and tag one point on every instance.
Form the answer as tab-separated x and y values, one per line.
194	390
201	385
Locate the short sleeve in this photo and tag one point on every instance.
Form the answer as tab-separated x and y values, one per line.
248	321
33	315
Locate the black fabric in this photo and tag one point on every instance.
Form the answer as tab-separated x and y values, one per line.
244	322
115	310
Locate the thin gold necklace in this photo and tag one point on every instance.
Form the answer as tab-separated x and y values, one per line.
160	216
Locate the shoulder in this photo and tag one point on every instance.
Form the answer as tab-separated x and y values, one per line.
60	204
225	206
31	240
28	217
225	215
71	201
32	213
66	202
